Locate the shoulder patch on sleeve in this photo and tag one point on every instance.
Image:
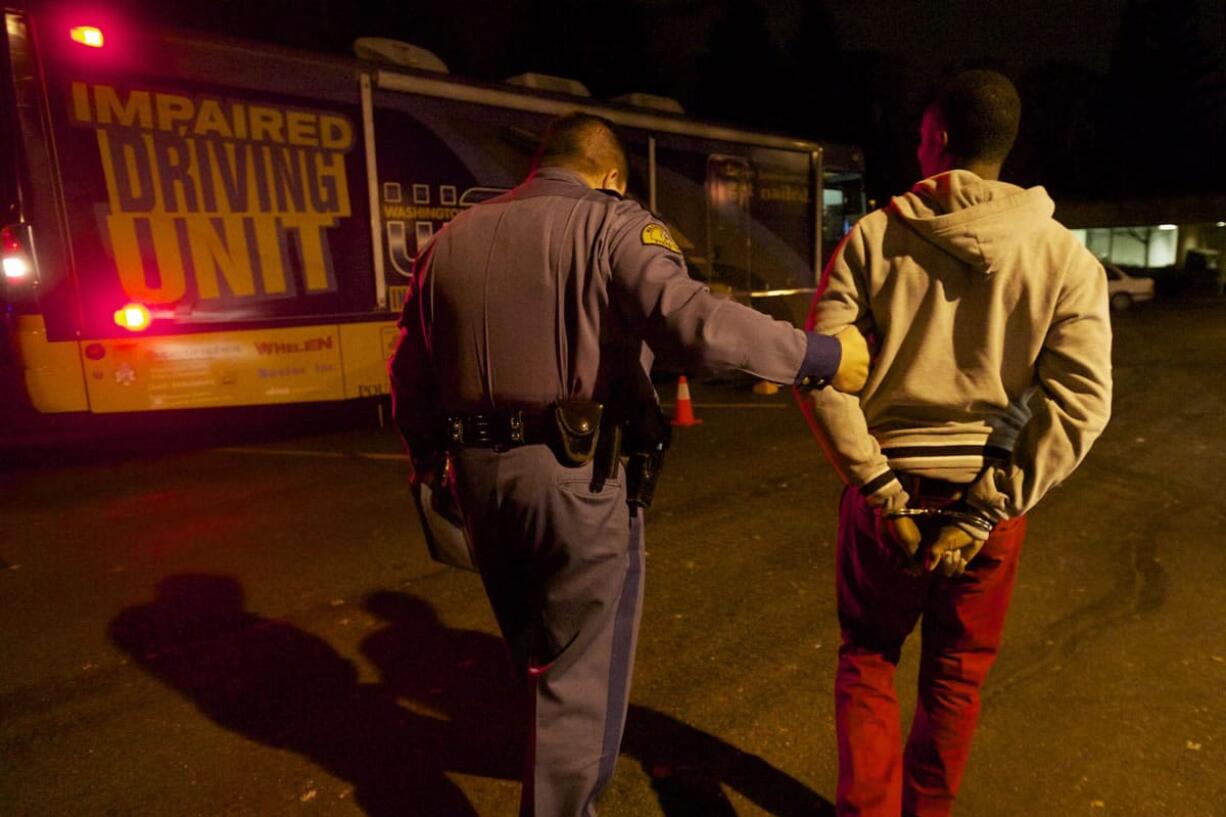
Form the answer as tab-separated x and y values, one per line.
658	234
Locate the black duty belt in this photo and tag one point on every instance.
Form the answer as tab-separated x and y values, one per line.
499	429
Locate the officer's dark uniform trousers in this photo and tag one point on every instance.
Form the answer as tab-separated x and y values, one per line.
563	567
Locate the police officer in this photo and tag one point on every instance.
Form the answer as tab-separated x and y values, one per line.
531	317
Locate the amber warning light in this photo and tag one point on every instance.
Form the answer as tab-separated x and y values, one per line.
133	317
87	35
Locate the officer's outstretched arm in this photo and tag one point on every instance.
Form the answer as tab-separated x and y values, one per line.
682	321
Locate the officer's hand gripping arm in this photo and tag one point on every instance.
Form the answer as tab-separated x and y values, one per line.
852	373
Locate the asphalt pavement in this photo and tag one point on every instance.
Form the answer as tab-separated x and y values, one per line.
248	624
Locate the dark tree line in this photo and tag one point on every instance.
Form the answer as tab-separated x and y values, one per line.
1154	123
1163	103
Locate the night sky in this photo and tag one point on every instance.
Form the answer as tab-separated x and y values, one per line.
1122	98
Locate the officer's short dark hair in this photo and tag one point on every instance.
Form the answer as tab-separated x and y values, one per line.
582	142
980	110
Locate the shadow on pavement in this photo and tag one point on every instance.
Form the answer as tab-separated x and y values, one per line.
464	675
274	683
687	767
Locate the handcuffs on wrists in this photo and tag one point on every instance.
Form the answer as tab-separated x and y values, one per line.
976	521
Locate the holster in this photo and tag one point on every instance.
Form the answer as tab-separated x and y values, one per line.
649	438
642	473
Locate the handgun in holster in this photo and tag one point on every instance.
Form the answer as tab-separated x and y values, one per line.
648	435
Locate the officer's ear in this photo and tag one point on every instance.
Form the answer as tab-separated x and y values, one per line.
613	181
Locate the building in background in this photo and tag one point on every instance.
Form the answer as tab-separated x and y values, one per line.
1181	241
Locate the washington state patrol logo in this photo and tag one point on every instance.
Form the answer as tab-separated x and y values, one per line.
658	234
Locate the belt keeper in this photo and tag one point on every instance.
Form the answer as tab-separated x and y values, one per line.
455	430
517	427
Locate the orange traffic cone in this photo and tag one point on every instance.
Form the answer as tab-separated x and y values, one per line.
685	407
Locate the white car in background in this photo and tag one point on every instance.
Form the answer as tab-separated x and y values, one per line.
1124	290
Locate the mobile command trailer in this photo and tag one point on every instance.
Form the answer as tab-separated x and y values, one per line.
195	222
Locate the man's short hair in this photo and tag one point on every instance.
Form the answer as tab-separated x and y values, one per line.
980	110
582	142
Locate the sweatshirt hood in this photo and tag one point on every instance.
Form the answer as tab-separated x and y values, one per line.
979	222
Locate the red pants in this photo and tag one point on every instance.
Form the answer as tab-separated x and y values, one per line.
962	622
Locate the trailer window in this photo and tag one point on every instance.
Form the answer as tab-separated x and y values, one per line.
729	186
681	203
842	206
784	219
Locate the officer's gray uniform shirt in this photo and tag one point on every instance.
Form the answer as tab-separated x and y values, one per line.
547	293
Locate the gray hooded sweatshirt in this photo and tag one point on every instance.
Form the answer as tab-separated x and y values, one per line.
977	301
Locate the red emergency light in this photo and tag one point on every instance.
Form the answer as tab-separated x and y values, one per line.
133	317
90	36
13	257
